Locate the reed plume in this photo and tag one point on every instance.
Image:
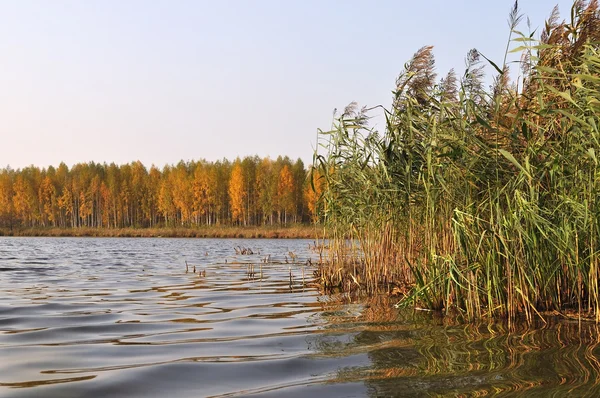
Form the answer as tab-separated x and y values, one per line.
475	202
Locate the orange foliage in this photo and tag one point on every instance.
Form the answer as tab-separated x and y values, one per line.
249	191
237	193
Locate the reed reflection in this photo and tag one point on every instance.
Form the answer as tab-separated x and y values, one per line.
415	353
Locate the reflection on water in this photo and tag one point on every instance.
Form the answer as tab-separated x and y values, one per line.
412	354
121	317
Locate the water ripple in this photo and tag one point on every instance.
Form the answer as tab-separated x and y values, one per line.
122	317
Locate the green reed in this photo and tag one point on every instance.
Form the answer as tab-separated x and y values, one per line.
477	202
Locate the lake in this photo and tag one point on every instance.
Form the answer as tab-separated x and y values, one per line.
106	317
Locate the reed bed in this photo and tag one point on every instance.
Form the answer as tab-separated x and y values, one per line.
295	231
482	203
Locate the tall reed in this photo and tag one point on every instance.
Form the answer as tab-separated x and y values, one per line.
481	202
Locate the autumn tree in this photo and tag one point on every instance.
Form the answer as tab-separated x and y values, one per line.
251	191
249	172
150	199
104	206
202	191
139	176
220	174
48	201
237	193
24	200
266	184
125	197
182	192
285	193
299	175
6	197
113	183
166	205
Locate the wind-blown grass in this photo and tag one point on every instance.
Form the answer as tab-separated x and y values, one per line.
480	202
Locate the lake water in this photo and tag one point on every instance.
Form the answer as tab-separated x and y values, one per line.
88	317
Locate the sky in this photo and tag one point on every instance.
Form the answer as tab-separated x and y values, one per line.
163	81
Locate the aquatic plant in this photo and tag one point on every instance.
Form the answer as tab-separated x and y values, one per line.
473	201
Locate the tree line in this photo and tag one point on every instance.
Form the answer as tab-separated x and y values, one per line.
248	191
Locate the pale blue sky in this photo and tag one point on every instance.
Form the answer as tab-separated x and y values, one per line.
162	81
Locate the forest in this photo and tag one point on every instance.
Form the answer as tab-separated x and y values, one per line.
244	192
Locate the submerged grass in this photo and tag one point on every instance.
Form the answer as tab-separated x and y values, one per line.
478	202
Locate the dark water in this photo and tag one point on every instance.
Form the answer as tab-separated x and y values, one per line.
86	317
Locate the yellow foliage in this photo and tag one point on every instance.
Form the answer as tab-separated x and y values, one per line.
237	193
285	190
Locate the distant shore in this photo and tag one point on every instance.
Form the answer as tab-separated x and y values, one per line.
296	231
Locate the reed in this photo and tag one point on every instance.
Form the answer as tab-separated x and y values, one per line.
477	202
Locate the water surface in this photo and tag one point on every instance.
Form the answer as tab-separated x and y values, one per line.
109	317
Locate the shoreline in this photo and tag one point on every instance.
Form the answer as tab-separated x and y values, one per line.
296	231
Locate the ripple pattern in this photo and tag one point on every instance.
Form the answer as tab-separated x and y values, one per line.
109	317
